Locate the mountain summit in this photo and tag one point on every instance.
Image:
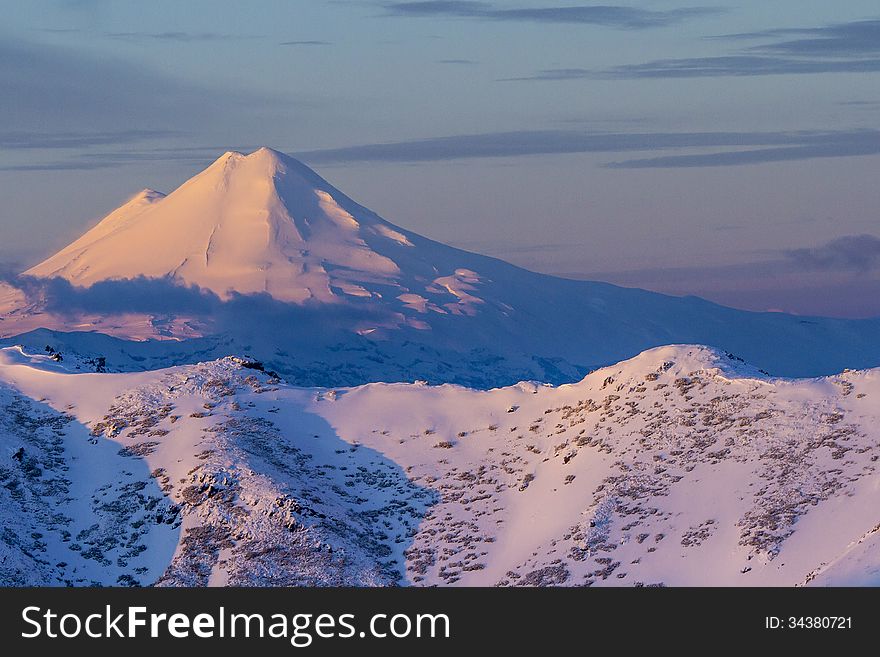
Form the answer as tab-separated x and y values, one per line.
262	222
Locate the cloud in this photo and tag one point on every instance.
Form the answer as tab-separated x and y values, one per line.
91	161
305	43
736	148
852	253
836	144
734	65
167	296
63	98
73	92
461	62
58	30
852	39
870	104
604	15
775	146
57	166
181	37
552	74
138	295
63	140
705	67
168	36
837	48
457	8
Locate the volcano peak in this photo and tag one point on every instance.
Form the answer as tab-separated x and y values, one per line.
260	222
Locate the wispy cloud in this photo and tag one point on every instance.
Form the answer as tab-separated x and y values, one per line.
734	65
64	140
168	36
57	30
869	104
760	147
74	92
457	62
305	43
73	165
804	146
92	161
182	37
852	39
168	295
852	47
140	294
605	15
732	148
553	74
853	253
63	98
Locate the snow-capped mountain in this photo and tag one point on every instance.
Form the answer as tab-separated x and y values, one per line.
681	466
258	223
259	255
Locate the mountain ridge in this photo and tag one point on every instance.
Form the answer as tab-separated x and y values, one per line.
221	474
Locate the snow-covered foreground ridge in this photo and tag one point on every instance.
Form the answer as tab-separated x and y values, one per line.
260	241
680	466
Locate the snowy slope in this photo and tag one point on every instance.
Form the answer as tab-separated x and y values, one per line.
260	241
75	512
67	259
680	466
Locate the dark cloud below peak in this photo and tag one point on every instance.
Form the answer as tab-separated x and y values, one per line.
163	296
615	16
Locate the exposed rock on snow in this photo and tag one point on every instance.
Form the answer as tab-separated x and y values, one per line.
681	466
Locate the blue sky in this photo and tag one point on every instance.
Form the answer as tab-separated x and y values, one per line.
729	151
